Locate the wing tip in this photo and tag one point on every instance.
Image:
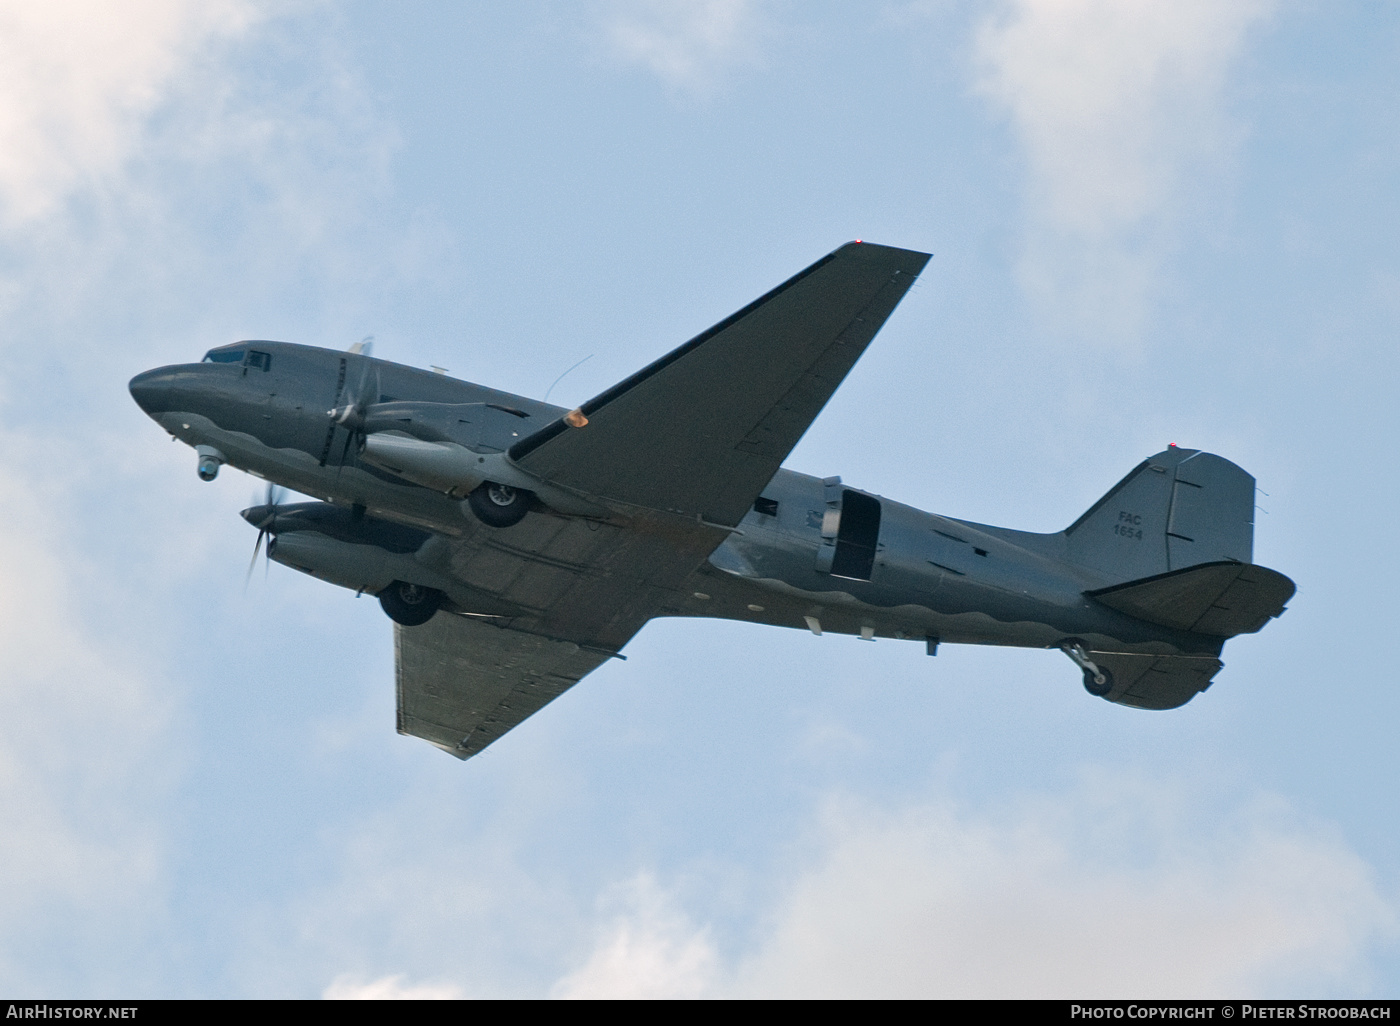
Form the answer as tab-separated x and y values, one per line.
876	249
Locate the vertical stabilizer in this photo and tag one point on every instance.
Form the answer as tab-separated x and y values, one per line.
1179	508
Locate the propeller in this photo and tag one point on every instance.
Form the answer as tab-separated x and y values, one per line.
351	416
264	518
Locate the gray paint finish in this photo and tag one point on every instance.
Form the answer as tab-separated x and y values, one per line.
663	497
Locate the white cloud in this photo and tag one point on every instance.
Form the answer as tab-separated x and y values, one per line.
1114	889
688	44
1114	104
649	950
390	988
190	185
77	79
85	752
142	174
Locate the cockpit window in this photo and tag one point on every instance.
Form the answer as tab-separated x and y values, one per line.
250	358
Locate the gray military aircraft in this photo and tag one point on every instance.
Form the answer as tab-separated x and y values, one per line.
517	545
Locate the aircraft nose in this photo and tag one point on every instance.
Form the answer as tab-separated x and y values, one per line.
152	390
170	389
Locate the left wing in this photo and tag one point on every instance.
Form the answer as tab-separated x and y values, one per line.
704	428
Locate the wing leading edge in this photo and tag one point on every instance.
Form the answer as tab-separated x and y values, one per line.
703	429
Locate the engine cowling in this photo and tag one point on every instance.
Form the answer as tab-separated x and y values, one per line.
442	466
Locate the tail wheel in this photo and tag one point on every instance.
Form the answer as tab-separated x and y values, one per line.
1092	685
499	505
410	604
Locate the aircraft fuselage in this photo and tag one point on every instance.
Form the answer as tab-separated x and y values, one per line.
813	554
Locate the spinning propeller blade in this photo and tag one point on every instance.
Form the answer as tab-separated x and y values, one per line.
264	518
352	416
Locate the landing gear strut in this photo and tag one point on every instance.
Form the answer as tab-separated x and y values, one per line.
499	505
410	604
1097	680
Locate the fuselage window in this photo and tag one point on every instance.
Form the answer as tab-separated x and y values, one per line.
224	356
257	359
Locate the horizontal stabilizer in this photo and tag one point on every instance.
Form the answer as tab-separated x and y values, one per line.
1156	682
1220	599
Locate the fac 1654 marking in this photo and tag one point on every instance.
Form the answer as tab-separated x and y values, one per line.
1129	525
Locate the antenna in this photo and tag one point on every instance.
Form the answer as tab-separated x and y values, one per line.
561	377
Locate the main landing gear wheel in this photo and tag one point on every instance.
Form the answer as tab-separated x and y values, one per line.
410	604
499	505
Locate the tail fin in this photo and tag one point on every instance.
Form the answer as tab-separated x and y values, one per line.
1179	508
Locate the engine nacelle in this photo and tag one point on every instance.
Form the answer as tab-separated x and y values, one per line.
442	466
357	567
457	471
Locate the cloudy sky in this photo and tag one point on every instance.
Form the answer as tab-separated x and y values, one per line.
1153	221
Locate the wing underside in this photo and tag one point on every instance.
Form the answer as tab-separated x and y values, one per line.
462	682
581	591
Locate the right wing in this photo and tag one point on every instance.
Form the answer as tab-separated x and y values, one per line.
462	682
703	429
580	590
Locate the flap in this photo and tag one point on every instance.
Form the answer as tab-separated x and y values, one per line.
1220	599
704	428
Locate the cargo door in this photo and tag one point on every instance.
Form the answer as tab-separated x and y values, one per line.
858	537
850	533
